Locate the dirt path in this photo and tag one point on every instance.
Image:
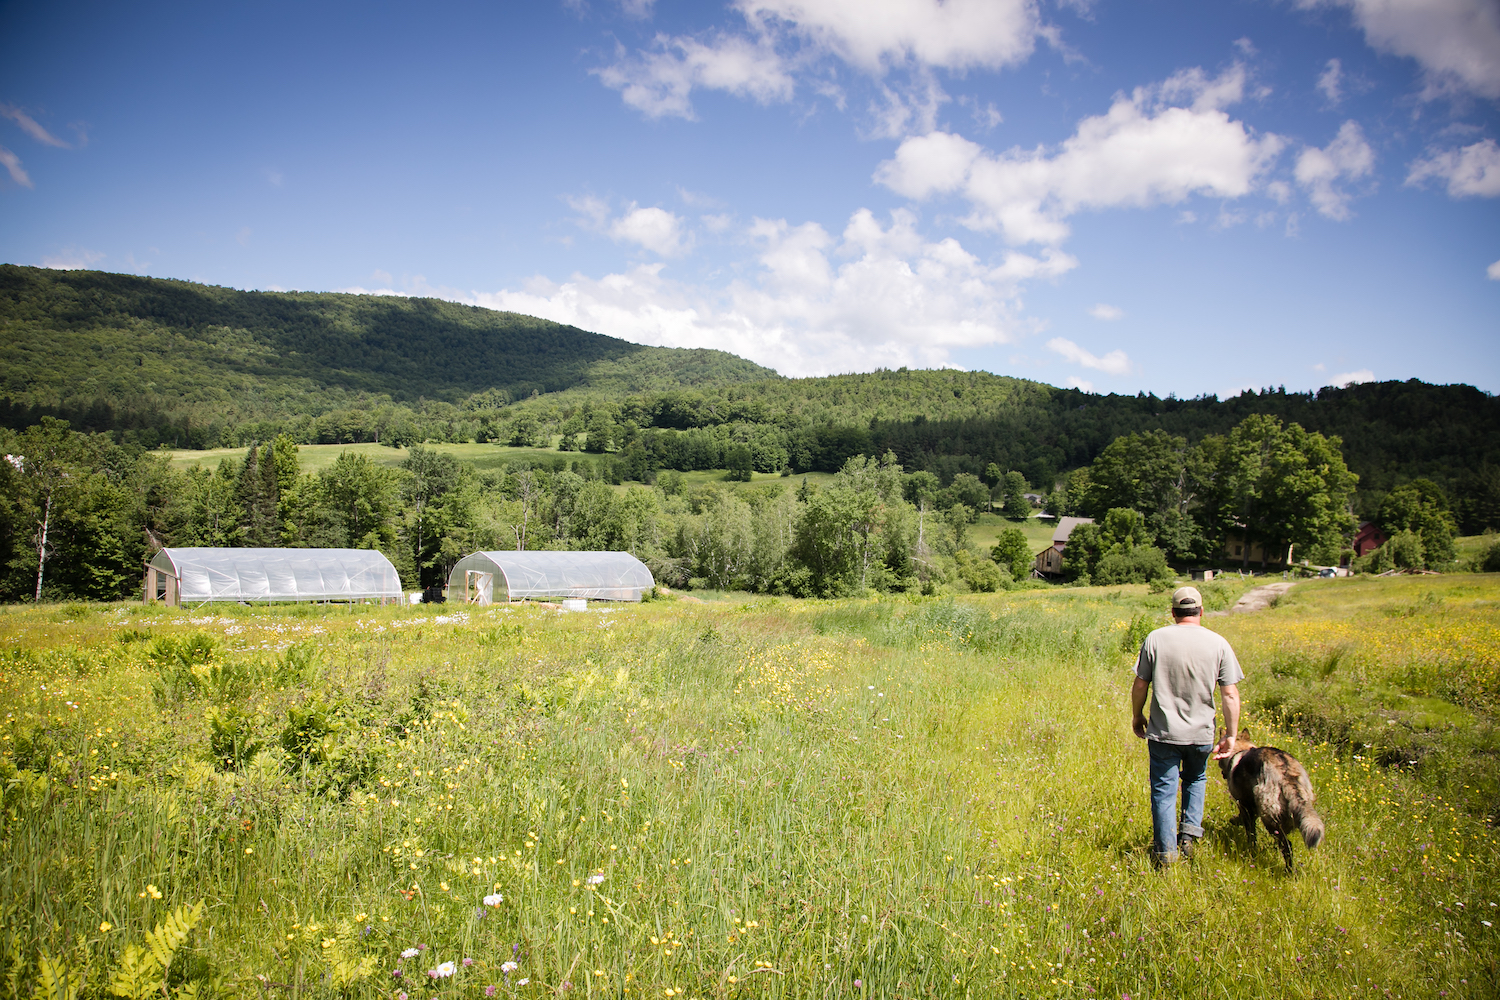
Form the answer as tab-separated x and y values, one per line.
1258	599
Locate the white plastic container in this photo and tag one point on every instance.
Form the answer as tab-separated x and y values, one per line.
575	604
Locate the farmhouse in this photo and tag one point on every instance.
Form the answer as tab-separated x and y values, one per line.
1368	538
486	577
196	575
1049	561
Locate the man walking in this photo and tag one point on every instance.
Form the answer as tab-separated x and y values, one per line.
1179	666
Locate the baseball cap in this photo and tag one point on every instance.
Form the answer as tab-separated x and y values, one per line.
1187	599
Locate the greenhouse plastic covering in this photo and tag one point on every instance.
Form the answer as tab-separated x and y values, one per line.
279	574
600	576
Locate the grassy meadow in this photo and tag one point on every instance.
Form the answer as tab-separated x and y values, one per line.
733	798
315	458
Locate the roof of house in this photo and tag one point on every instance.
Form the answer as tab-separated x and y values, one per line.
1065	528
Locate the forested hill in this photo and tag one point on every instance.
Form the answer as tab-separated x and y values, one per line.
70	340
153	361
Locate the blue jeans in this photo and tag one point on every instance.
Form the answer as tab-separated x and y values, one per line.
1172	763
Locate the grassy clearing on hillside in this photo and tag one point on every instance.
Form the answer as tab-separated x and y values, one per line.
737	799
315	458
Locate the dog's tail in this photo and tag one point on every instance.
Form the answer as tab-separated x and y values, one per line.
1312	828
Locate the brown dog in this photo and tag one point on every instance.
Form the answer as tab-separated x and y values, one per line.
1273	785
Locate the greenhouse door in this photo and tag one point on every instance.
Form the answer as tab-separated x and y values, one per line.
479	588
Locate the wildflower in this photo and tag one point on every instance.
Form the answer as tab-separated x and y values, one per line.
443	886
595	879
468	962
507	967
443	971
400	996
105	926
409	953
490	991
151	891
493	899
859	984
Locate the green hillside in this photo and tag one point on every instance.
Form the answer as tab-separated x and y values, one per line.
81	340
157	362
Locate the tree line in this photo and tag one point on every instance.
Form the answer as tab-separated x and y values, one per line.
79	514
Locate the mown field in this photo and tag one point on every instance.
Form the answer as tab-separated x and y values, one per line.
739	798
483	457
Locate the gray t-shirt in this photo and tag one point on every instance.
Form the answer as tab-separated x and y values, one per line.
1182	663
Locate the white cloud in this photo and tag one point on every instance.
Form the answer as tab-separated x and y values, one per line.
30	126
1346	378
875	295
12	164
637	8
1331	82
72	259
594	211
1106	312
1471	171
903	110
1456	42
1494	271
1074	382
1347	157
660	83
1114	363
656	229
1158	145
874	34
785	37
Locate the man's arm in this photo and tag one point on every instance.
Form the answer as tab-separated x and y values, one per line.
1138	703
1229	697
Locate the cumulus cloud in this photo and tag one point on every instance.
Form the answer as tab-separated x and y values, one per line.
1321	171
1473	171
874	34
783	38
1331	82
31	127
656	229
1494	271
1350	378
1456	42
12	164
1114	363
1074	382
1106	312
1157	145
660	82
815	303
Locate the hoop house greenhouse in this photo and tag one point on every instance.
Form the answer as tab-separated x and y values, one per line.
486	577
178	576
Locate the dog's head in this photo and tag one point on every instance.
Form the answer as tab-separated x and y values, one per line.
1240	744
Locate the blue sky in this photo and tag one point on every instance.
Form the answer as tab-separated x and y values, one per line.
1156	195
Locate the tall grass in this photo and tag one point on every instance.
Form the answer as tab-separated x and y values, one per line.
775	798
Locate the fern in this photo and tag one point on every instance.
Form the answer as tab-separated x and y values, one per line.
143	971
54	981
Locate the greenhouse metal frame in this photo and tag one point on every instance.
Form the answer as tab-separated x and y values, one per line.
508	575
179	576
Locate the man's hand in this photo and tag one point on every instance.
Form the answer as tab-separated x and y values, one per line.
1138	691
1224	749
